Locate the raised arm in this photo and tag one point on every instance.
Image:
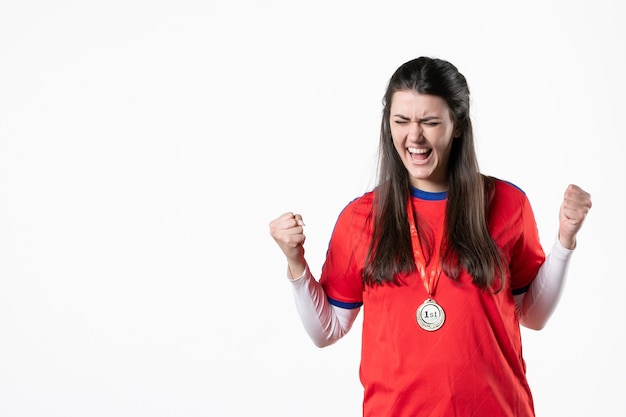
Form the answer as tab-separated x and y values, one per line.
536	305
324	323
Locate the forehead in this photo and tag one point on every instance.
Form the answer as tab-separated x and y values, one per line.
412	103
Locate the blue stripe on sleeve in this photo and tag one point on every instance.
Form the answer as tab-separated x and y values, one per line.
518	291
341	304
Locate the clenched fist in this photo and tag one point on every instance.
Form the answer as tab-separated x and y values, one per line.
288	232
576	204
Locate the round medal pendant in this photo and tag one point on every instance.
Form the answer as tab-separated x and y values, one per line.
430	315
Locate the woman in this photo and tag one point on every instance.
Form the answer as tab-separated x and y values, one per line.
445	261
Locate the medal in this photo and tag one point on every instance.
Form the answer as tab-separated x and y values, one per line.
430	315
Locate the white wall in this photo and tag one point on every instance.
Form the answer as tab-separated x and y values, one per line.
146	145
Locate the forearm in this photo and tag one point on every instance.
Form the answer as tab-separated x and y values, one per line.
324	323
535	306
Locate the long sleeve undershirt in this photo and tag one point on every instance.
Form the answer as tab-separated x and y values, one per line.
326	323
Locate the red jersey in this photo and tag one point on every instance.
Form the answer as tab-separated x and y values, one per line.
473	364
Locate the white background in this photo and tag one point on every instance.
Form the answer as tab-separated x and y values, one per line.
146	145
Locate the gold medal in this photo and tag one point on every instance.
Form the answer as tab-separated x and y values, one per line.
430	315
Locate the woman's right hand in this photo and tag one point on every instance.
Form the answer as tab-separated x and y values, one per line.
288	232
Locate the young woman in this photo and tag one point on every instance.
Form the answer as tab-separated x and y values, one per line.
445	261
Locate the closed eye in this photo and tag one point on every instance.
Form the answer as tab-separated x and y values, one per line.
427	121
401	120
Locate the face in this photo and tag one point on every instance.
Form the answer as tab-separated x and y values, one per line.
422	132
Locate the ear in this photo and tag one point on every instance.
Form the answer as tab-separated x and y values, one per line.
457	132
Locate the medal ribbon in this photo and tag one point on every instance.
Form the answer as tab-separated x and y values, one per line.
430	280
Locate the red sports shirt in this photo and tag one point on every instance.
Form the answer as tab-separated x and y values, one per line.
473	365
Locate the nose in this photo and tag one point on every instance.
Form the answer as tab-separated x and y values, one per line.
414	131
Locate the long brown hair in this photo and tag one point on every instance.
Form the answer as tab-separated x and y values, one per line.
467	243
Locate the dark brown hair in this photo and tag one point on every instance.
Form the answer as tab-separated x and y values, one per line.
467	243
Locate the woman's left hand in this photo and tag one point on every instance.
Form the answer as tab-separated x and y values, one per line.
576	204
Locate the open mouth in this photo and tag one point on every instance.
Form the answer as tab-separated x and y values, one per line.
420	154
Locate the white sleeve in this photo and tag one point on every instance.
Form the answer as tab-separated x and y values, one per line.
536	305
324	322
